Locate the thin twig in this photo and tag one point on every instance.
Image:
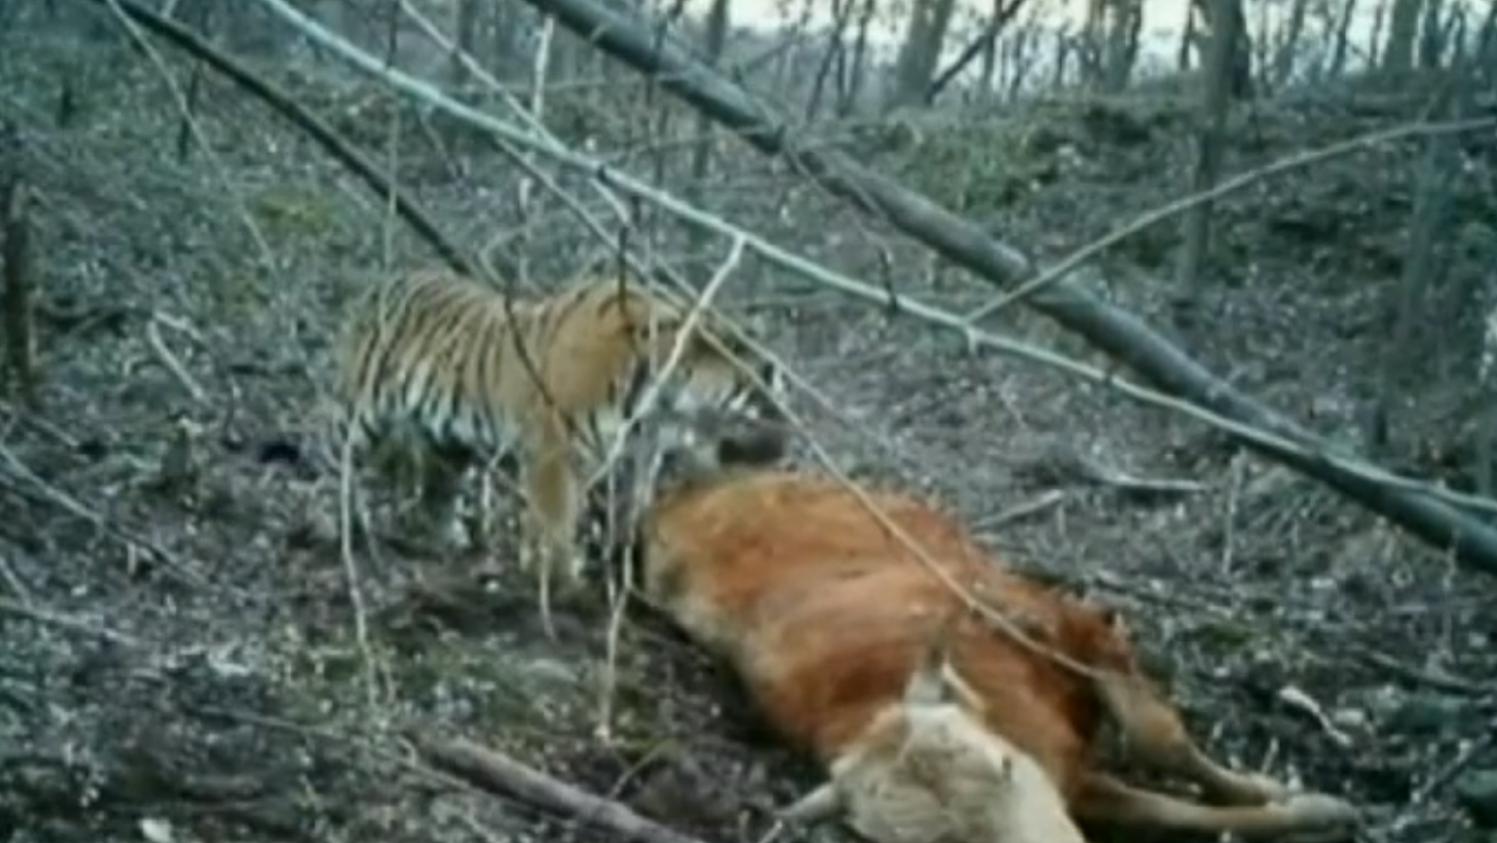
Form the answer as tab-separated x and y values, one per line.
1019	511
172	364
493	771
620	605
16	585
65	622
351	571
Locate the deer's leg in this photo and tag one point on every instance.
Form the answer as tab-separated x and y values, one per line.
1104	799
1157	737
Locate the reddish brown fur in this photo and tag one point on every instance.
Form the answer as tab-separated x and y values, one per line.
826	614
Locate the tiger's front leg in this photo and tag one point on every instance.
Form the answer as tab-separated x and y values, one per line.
550	521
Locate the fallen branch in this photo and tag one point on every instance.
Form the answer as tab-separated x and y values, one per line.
1116	332
1063	464
324	134
499	773
1019	511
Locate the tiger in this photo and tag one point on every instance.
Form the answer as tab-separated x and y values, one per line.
438	373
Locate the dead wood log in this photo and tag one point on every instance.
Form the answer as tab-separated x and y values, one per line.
1118	333
335	144
498	773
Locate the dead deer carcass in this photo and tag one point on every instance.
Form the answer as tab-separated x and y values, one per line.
934	721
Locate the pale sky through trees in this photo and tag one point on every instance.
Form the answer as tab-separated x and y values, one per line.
1163	19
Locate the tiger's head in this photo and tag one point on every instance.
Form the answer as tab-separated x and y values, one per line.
714	380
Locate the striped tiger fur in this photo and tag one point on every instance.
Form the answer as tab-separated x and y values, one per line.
431	377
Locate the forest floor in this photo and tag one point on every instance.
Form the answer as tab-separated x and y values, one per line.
177	652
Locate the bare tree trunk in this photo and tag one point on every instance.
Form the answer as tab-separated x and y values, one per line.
789	60
1289	44
859	53
717	36
1240	69
1125	20
1063	48
841	12
1089	45
990	31
1187	39
1432	35
1023	45
1484	51
916	65
1405	305
1343	26
989	64
1456	36
1403	26
1216	90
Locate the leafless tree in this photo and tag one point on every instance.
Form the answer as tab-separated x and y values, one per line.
1188	39
1425	263
1403	26
1343	26
716	38
983	43
1065	45
1022	41
856	72
1289	43
1432	34
1240	61
1125	20
916	65
834	54
1216	90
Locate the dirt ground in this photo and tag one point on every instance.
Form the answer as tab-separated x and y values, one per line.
187	660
